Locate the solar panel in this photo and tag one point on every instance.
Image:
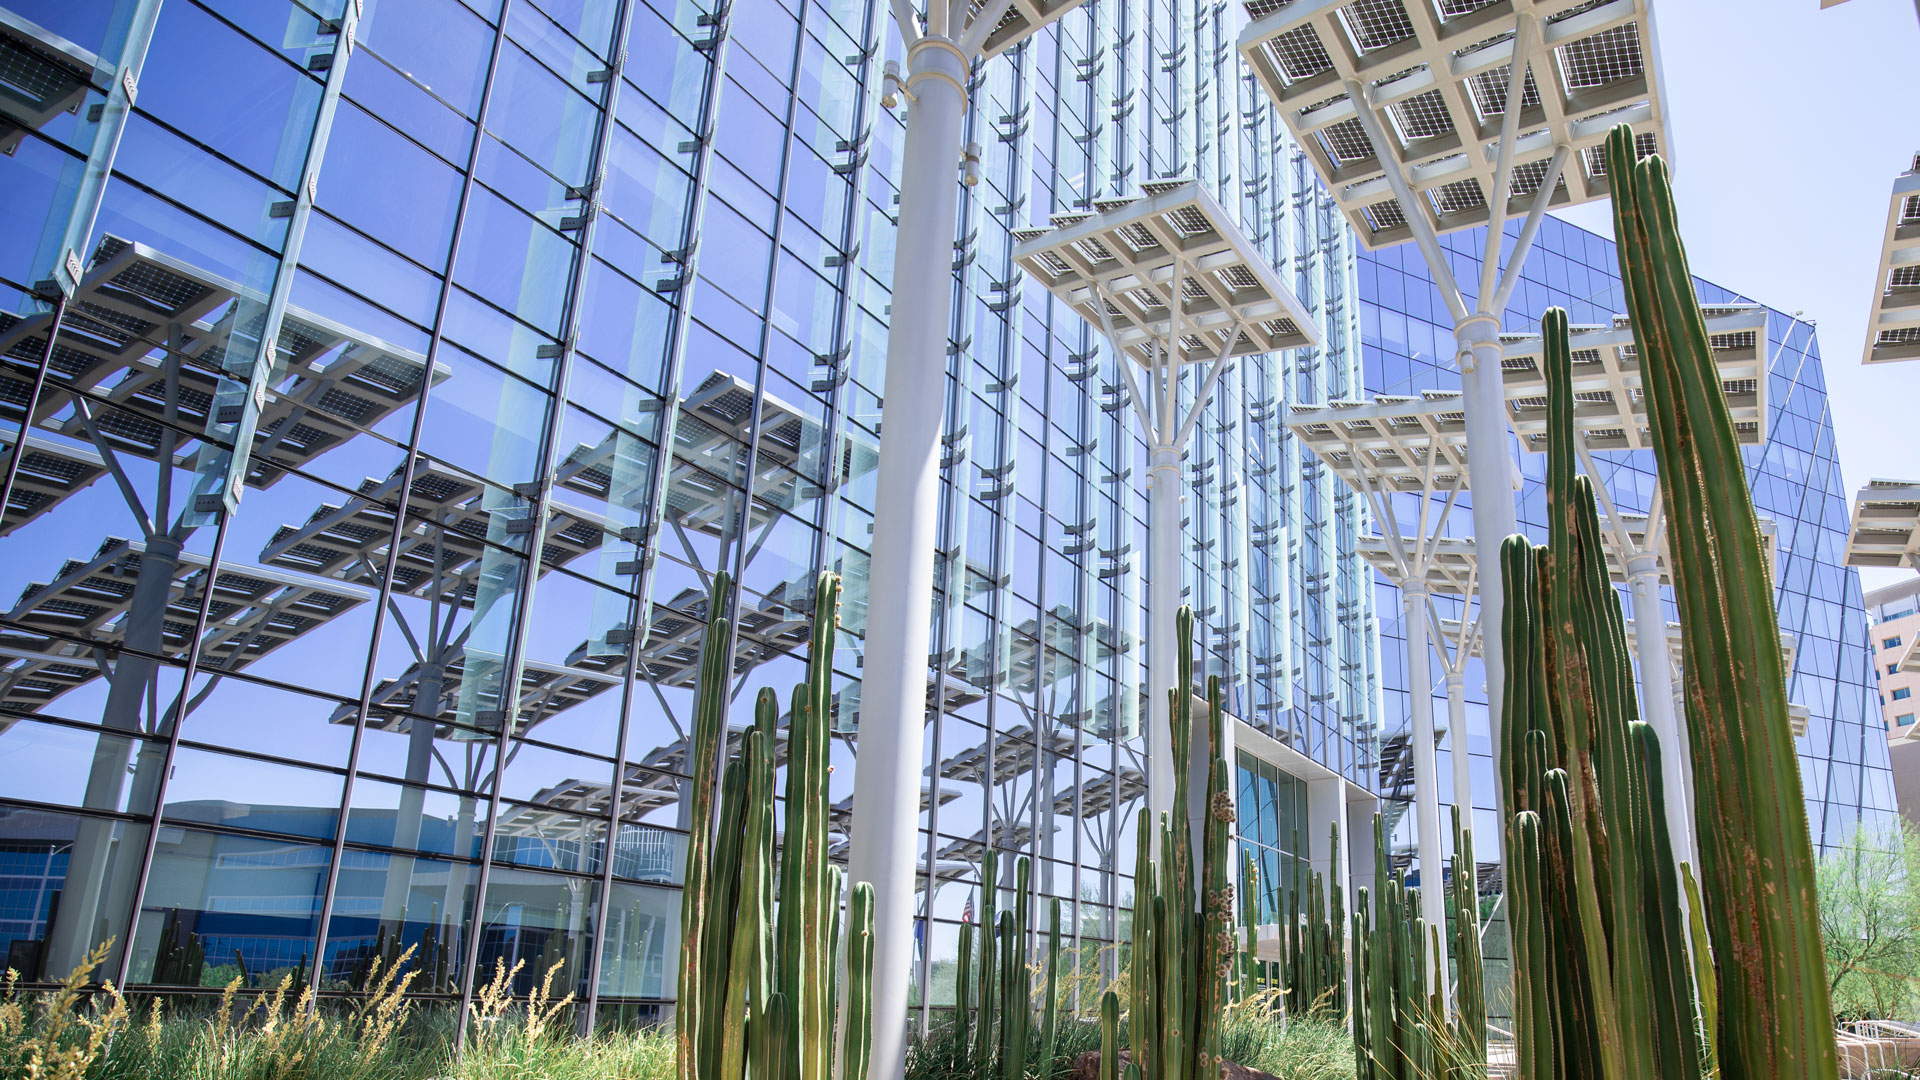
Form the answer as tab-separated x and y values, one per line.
334	382
56	626
1886	525
1226	286
1436	72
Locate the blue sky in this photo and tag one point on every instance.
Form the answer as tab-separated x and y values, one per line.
1789	123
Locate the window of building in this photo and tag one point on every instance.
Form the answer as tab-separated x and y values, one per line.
1903	693
1890	643
1905	719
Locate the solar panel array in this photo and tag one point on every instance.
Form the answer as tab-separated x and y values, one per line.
57	627
1117	266
1389	443
135	306
1436	76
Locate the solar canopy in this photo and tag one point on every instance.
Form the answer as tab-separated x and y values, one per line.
1610	406
1399	444
1449	559
1893	328
1124	265
44	75
1886	525
1017	20
1437	77
333	382
255	610
51	471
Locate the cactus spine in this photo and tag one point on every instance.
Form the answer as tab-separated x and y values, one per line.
757	983
1755	855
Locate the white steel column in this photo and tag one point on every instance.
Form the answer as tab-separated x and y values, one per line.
1657	697
1659	704
1163	602
1457	731
1426	766
893	693
1477	335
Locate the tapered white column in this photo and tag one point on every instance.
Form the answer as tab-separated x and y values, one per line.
1490	455
1657	698
1426	766
1163	602
1462	755
893	705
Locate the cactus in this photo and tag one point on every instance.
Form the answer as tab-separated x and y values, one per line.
758	978
1050	1025
984	1044
962	997
1184	944
1250	969
1002	1036
1602	984
1110	1036
1470	982
1756	858
1391	998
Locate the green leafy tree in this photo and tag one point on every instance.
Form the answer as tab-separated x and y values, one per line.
1870	919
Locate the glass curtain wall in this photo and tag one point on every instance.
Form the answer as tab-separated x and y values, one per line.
407	396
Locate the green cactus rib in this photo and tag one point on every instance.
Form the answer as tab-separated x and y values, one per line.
1755	853
859	1019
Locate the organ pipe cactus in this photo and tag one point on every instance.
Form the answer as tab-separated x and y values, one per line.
1470	983
1602	986
1184	943
1313	940
1001	1039
758	974
1756	859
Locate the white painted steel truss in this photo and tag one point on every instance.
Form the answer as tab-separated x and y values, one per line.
1437	78
1410	445
1893	326
1610	404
